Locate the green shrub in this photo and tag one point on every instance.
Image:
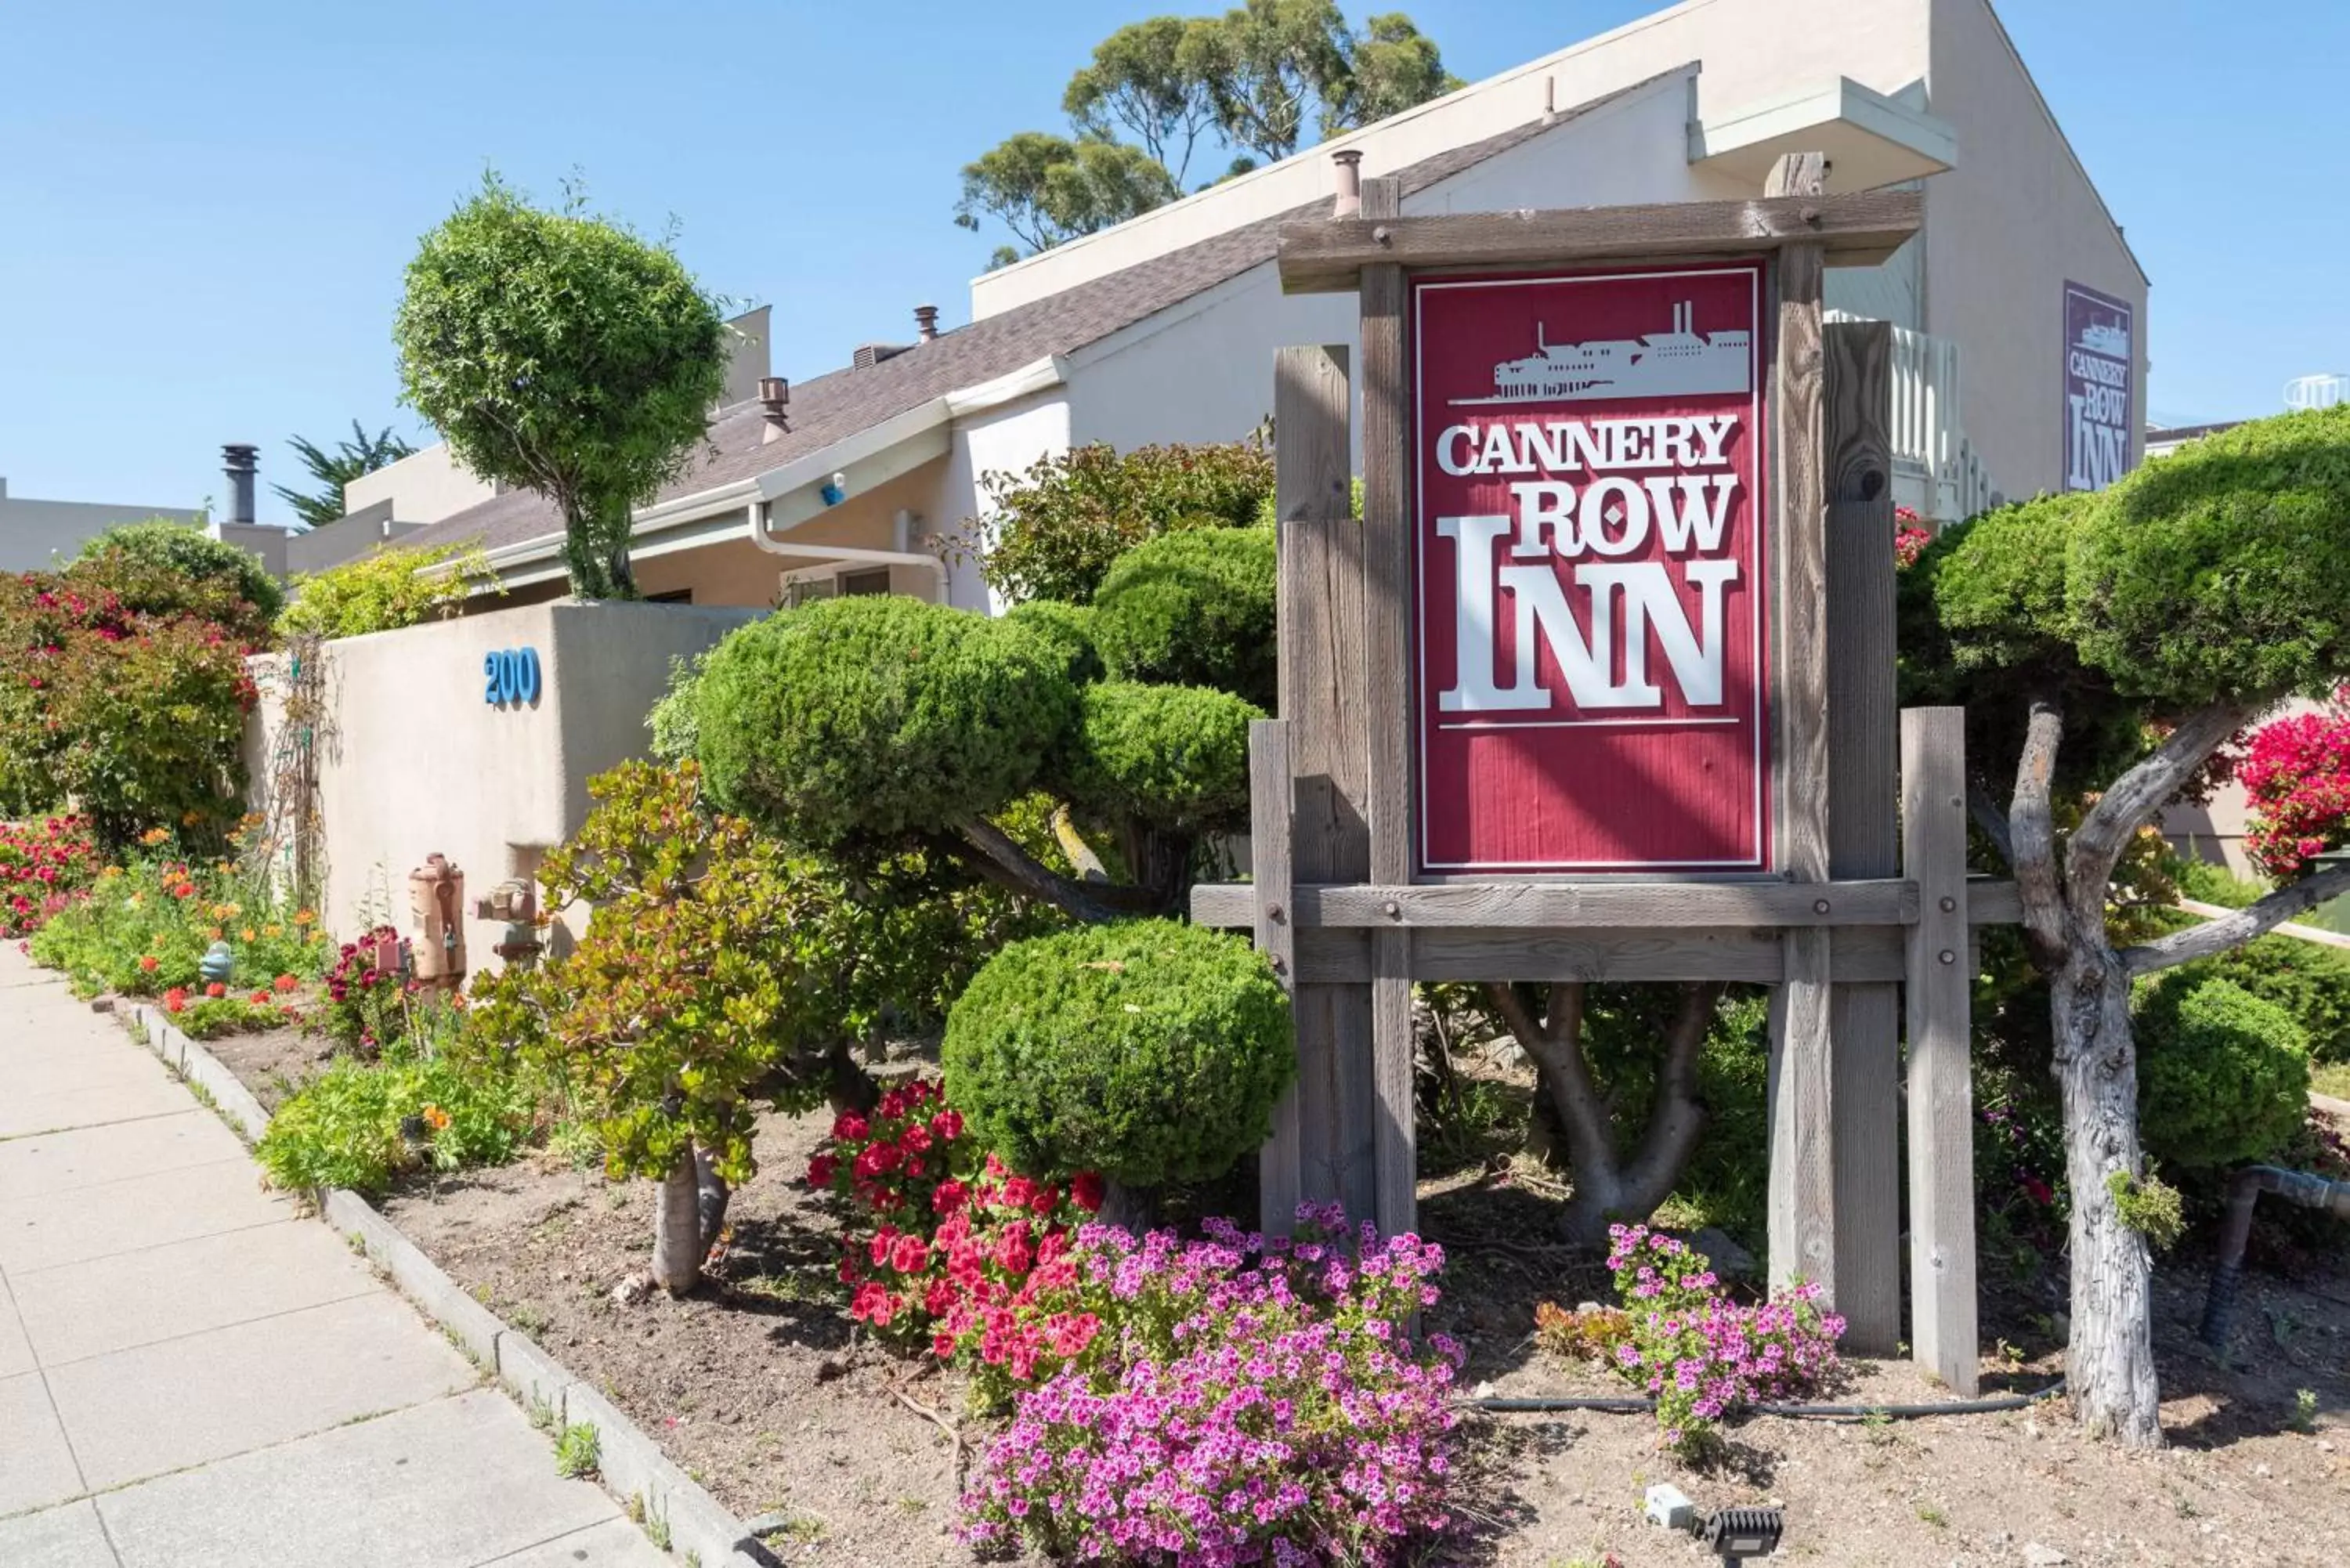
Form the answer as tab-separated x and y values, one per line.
2309	981
1194	608
2217	572
179	554
2208	883
343	1127
127	688
1149	1050
385	590
2223	1076
1072	630
877	715
1053	530
1172	757
216	1017
673	721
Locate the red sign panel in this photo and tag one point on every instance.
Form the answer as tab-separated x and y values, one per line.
1589	489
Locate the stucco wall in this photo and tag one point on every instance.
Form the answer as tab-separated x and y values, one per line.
2004	231
411	760
1004	440
422	487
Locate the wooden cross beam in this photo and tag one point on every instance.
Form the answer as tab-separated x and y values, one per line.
1327	255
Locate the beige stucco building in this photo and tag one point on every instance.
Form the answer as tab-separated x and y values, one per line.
1162	328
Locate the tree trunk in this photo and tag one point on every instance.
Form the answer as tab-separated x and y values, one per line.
678	1248
1135	1208
711	1197
1607	1187
2109	1365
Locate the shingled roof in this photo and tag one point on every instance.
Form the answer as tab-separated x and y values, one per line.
840	403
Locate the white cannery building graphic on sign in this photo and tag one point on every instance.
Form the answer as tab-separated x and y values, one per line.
1677	362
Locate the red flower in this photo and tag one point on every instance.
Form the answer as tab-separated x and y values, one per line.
942	1346
915	1138
184	890
821	1168
848	1124
286	982
1018	1192
947	1126
148	962
910	1254
1086	1191
1047	1198
176	998
259	998
217	988
948	1198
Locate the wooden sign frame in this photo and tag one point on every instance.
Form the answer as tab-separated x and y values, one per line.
1867	898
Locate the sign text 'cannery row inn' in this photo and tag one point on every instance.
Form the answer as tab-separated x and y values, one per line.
1591	597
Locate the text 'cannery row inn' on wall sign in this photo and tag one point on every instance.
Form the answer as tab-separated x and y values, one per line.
1593	635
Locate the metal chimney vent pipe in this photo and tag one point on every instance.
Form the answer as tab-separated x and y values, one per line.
926	322
1349	164
240	462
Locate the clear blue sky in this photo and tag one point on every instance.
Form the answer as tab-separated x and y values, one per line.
204	210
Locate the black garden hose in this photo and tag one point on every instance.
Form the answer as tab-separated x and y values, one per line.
1810	1412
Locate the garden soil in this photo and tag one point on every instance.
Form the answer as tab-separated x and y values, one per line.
757	1388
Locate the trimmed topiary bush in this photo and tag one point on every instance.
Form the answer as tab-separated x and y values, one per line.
1149	1050
878	715
2216	573
2310	982
1172	757
1071	628
2223	1076
1194	608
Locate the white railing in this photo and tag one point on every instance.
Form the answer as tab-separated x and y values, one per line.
1936	471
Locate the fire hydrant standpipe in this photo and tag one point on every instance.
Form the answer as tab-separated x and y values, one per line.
2244	1189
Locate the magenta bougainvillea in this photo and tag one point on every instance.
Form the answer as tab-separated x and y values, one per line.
45	866
2296	776
1910	537
1248	1399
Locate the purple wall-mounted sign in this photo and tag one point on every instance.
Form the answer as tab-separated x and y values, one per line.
2100	370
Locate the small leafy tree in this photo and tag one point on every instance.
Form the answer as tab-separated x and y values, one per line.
720	971
560	353
2108	646
161	567
331	471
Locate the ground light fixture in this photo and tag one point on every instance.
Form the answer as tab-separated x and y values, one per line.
1732	1535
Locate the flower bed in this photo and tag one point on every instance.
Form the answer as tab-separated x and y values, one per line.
45	867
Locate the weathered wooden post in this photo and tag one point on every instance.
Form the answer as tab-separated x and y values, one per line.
1864	834
1941	1095
1601	687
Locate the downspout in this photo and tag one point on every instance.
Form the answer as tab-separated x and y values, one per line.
902	557
2243	1192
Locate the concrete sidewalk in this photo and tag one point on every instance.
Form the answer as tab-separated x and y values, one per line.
193	1375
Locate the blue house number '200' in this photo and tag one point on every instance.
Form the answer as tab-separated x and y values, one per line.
510	677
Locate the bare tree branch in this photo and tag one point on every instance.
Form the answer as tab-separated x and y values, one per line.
2031	829
1556	1043
989	850
2134	797
2239	926
1991	820
1676	1115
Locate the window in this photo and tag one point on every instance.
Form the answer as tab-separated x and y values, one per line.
873	582
674	597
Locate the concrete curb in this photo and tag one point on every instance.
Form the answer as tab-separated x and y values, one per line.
632	1467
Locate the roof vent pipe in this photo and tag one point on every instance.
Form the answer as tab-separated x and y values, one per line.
775	393
926	322
1347	162
240	462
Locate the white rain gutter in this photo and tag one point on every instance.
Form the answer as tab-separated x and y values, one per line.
803	478
851	554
